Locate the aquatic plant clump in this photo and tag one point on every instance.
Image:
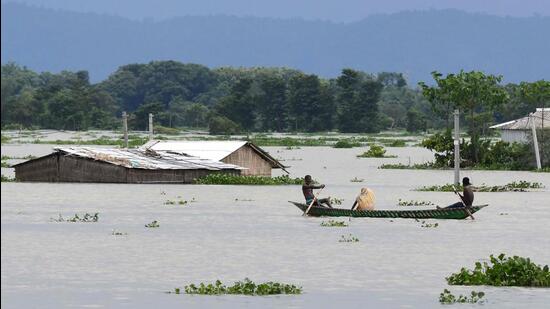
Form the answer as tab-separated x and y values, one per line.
153	224
85	218
345	143
245	287
7	178
516	186
503	271
401	202
375	151
334	223
448	298
224	179
349	238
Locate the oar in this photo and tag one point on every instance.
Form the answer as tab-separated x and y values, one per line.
313	201
465	207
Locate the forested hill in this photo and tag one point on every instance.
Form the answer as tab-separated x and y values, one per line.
415	43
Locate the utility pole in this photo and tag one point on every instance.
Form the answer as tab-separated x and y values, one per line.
150	126
125	128
457	147
535	142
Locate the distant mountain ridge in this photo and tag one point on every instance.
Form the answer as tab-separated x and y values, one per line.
415	43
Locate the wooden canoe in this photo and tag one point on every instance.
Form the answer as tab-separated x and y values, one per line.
444	213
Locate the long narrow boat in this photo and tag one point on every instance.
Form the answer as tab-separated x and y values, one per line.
443	213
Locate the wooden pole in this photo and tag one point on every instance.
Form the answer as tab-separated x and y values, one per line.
457	147
535	142
150	126
125	128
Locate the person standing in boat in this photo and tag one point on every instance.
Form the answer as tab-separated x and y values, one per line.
365	200
467	195
307	190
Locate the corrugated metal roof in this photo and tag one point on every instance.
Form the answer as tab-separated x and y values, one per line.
213	150
525	122
146	159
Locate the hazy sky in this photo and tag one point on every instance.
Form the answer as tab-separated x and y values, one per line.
335	10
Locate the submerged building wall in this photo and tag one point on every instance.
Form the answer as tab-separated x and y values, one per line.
247	157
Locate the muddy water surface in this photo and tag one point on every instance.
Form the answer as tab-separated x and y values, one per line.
233	232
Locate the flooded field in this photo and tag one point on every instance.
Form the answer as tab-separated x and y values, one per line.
233	232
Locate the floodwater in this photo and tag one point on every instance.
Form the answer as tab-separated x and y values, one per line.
233	232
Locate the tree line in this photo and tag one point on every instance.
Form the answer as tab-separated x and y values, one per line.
230	100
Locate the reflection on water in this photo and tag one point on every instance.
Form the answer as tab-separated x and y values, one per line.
232	232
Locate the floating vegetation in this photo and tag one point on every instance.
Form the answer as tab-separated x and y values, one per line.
103	141
426	224
503	271
118	233
516	186
355	179
401	202
346	143
245	287
243	200
169	202
447	298
395	143
292	147
334	223
401	166
336	201
153	224
28	157
5	139
375	151
225	179
5	164
85	218
7	178
349	238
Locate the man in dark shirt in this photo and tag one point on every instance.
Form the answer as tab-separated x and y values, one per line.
307	190
467	195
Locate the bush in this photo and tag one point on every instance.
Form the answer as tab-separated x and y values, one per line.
503	271
223	125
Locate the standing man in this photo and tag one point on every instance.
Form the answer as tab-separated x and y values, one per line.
307	190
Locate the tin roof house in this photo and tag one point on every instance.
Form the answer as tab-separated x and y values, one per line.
241	153
519	130
154	162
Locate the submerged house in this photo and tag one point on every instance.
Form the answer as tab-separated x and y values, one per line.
519	130
86	164
244	154
154	162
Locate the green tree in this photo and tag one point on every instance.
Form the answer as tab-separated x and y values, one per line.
473	93
271	103
238	106
358	102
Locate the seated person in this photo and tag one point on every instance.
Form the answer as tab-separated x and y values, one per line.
365	200
307	190
467	195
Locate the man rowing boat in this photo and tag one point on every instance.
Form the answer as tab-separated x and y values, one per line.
467	196
307	190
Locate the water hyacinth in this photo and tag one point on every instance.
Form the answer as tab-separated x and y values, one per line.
447	298
85	218
516	186
225	179
503	271
334	223
245	287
